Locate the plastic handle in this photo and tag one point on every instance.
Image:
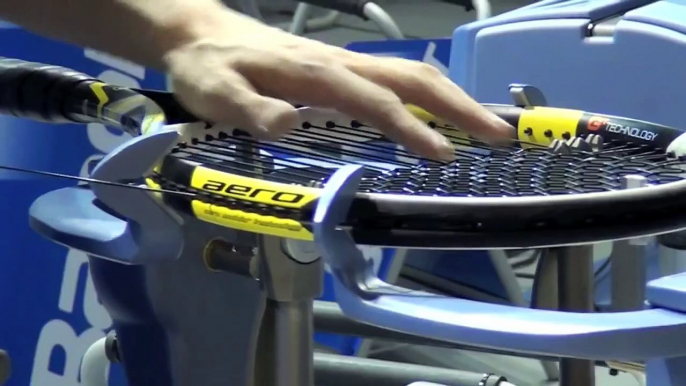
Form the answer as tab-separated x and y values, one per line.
352	7
38	91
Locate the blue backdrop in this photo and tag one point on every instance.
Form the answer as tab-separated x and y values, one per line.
49	313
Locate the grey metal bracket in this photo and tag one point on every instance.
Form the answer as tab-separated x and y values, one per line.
524	95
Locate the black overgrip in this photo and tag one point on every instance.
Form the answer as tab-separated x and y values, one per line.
352	7
38	91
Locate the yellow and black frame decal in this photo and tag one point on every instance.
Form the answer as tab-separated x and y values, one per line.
542	125
239	202
118	106
627	130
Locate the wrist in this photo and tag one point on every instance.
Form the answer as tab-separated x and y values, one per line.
198	24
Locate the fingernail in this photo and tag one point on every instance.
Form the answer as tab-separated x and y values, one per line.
503	133
499	141
504	128
445	151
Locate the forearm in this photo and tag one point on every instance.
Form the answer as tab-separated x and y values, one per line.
142	31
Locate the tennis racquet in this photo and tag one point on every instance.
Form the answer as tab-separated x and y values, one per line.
558	182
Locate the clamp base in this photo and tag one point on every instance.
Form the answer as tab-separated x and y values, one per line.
70	217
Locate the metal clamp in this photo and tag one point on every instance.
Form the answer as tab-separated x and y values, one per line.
128	226
525	95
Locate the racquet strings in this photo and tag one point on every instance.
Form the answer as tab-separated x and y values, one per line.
91	180
309	155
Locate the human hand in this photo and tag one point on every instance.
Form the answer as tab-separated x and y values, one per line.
245	78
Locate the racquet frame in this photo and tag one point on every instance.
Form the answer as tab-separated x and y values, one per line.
258	205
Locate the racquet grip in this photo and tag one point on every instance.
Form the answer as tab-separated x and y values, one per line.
351	7
38	91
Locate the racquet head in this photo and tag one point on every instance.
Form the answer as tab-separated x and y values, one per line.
560	180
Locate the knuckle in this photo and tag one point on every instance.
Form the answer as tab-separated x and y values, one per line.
227	52
424	70
250	58
388	101
411	76
316	68
385	106
224	104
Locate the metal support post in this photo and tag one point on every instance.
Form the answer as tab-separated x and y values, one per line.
628	265
575	294
514	292
285	345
